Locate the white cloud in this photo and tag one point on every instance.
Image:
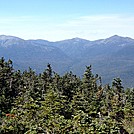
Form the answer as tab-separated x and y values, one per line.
88	27
95	27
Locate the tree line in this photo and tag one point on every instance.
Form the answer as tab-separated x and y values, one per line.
48	103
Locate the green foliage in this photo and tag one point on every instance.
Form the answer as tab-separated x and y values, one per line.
52	104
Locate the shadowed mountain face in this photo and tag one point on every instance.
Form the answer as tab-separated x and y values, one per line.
110	58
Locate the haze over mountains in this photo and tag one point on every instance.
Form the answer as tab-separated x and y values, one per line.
110	58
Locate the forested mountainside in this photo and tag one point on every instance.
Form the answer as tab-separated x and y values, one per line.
48	103
111	57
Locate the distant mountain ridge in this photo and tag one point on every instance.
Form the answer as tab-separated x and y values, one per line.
111	57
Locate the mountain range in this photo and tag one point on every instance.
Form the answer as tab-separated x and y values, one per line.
110	58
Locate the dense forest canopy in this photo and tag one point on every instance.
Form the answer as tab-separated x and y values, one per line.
48	103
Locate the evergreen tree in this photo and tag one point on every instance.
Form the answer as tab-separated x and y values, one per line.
8	85
48	103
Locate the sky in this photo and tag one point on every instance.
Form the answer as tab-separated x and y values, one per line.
56	20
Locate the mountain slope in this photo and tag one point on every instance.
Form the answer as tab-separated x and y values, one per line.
30	53
73	47
111	57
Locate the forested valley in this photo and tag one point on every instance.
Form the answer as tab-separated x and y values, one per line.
48	103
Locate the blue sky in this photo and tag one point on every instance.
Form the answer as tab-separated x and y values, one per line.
63	19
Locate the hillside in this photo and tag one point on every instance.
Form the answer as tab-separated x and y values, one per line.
110	58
